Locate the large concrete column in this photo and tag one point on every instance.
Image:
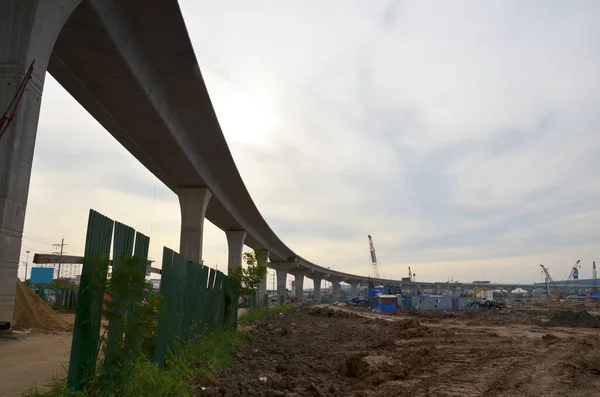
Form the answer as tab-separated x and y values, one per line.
281	284
193	202
299	287
28	31
262	259
354	288
317	289
335	288
235	244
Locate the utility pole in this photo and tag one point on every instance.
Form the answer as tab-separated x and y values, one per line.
61	245
26	264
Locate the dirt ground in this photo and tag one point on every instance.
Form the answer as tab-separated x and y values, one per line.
29	358
32	360
326	351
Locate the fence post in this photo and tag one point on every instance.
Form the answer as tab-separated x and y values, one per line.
88	314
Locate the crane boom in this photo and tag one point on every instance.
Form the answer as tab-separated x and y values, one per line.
549	282
373	258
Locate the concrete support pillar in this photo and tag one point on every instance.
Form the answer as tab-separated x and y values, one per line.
299	287
281	283
235	245
28	31
193	202
317	290
262	259
335	288
354	289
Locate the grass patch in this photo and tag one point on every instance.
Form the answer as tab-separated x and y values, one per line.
260	315
195	362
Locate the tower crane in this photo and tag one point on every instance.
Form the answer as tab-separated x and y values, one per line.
374	258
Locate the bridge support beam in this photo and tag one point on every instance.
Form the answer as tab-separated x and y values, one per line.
317	289
335	288
29	29
193	202
262	259
235	245
299	287
353	288
281	282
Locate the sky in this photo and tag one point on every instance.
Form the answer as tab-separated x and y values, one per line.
461	135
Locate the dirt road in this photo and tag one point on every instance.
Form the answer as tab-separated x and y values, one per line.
322	352
32	360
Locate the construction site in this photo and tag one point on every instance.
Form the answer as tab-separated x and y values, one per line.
438	340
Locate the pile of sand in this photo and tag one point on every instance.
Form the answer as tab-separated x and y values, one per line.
33	313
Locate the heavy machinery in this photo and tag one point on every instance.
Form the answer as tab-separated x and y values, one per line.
573	275
594	278
553	291
480	290
373	258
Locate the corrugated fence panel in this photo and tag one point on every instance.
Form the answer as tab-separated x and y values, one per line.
180	268
140	251
122	246
167	315
90	300
220	315
142	244
203	309
212	300
189	303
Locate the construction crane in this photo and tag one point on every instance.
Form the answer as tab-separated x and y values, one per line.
550	282
373	258
573	275
594	278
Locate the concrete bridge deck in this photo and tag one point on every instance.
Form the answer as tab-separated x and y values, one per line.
132	66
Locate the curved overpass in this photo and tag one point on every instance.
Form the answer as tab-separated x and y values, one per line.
153	99
132	66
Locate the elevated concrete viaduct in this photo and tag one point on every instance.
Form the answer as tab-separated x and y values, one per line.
132	66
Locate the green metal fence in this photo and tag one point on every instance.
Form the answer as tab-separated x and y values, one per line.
194	299
193	302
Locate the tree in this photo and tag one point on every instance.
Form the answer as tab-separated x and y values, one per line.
245	280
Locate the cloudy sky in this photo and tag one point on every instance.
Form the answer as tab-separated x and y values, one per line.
461	134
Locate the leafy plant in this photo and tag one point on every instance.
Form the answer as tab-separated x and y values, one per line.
131	329
245	280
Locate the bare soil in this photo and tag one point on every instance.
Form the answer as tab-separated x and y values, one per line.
321	351
32	360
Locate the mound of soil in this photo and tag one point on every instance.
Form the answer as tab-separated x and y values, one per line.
329	312
33	313
569	318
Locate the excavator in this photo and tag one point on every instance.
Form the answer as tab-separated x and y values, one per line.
485	303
